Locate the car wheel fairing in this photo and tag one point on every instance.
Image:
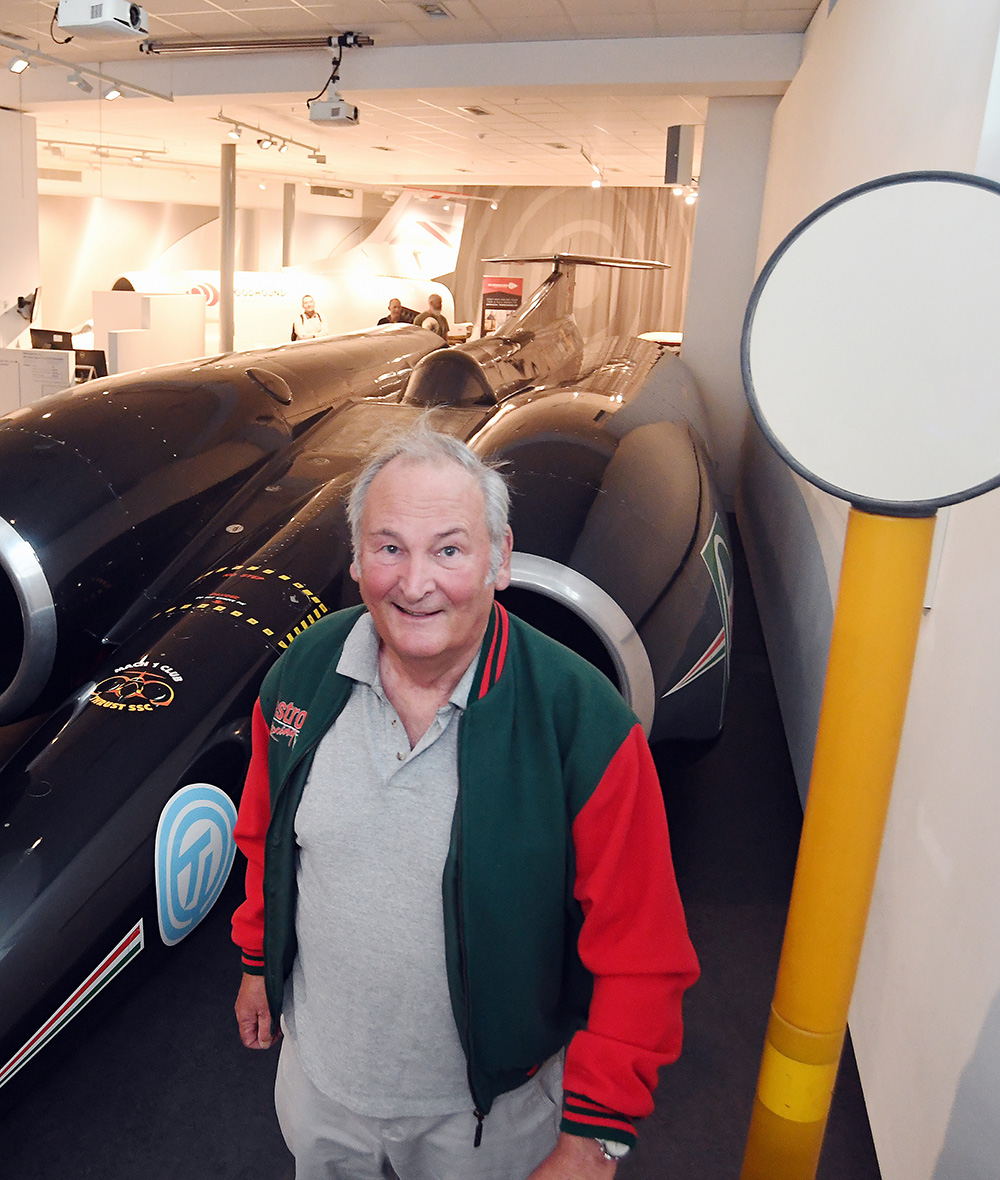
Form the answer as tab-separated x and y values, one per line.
28	647
603	616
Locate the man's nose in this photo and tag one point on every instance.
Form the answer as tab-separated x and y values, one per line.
416	577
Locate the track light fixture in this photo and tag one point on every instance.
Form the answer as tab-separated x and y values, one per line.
267	139
34	56
18	65
112	93
688	191
80	82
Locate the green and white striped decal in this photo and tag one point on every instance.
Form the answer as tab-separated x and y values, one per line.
102	975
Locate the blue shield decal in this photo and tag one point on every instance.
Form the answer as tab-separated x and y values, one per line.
194	853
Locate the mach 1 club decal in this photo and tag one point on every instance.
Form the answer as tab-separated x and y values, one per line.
194	852
100	977
719	562
137	688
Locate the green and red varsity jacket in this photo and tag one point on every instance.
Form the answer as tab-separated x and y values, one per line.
563	925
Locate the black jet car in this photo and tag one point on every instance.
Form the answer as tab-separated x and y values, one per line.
165	535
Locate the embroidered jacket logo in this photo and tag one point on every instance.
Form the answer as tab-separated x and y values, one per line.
288	720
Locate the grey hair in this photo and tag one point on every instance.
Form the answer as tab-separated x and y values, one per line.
422	444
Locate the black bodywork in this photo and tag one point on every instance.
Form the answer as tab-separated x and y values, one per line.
165	535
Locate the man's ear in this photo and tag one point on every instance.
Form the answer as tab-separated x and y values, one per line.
354	571
503	577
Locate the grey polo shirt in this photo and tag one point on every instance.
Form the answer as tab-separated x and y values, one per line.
368	1001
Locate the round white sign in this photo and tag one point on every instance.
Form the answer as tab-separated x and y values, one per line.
871	343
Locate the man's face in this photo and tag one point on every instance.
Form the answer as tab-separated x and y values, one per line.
422	565
395	309
308	304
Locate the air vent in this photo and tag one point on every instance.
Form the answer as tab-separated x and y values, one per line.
437	11
477	111
59	174
323	190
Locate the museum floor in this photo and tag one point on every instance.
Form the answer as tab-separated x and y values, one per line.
162	1090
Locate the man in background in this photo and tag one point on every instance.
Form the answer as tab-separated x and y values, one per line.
398	314
308	324
433	318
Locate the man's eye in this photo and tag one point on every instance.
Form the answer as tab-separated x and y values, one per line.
392	550
449	551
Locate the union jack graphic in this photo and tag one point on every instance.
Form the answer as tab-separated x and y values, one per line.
102	975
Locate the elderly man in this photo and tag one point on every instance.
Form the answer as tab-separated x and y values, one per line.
433	318
458	865
308	324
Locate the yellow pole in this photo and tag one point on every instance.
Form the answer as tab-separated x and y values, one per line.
864	701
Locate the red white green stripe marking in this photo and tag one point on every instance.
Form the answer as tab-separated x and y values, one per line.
102	975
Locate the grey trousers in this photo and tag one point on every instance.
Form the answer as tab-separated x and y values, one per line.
330	1142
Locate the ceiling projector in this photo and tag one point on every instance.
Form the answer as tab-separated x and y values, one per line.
102	19
332	110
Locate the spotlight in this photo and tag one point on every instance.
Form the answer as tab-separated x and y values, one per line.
283	147
677	190
317	157
18	65
265	143
235	132
690	199
80	82
596	182
112	93
494	205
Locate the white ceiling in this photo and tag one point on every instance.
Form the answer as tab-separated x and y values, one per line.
549	104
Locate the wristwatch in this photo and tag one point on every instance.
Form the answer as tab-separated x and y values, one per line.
611	1149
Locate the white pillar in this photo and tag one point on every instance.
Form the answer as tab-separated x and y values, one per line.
227	245
287	223
723	258
20	267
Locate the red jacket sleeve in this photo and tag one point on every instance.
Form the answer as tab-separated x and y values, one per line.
635	943
250	834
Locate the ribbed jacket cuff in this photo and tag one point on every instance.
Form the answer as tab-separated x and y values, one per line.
590	1120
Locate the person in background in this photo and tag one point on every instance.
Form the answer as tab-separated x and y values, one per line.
398	314
460	898
308	324
432	318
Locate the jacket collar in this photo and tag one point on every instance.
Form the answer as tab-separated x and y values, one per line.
493	653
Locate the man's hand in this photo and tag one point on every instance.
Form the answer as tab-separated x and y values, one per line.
253	1014
574	1158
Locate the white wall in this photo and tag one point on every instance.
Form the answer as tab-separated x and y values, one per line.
87	242
888	86
731	188
19	270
